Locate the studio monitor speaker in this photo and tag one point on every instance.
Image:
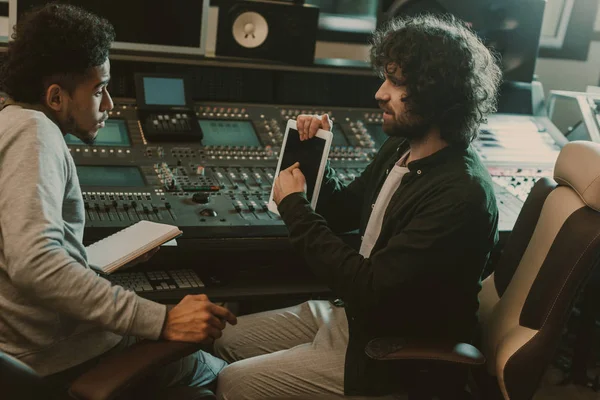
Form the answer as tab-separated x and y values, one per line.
267	30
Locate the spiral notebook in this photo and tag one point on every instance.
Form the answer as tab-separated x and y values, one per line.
111	253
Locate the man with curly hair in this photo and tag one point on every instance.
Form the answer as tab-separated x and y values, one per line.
425	208
56	314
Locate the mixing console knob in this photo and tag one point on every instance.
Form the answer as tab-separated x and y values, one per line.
86	205
167	205
115	204
201	198
96	206
133	204
208	212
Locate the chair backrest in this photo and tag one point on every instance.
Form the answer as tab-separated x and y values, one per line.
551	251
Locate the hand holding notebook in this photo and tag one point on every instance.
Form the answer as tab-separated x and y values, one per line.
114	251
141	259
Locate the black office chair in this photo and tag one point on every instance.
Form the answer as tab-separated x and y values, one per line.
121	376
524	304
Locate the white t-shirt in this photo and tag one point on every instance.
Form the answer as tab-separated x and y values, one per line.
391	184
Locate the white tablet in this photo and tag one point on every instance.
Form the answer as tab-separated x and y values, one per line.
311	154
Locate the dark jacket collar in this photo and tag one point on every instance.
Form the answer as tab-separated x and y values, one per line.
426	163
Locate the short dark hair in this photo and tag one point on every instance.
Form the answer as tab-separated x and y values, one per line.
56	43
451	78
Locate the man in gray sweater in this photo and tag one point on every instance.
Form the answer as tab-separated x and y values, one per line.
56	314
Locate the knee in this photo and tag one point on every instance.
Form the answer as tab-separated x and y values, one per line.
236	383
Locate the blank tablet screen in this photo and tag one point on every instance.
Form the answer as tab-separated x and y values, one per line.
309	153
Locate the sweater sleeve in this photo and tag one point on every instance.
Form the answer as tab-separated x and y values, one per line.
33	177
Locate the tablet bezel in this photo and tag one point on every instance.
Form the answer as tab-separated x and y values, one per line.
321	133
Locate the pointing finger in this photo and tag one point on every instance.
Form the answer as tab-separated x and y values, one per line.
292	167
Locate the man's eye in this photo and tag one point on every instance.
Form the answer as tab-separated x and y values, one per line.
98	94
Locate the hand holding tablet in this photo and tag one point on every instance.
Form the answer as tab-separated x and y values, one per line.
309	125
310	154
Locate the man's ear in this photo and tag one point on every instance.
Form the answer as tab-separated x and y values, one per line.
55	97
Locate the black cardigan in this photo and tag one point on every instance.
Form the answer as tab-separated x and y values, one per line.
423	275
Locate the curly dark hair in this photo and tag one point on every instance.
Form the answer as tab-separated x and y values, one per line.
451	78
56	43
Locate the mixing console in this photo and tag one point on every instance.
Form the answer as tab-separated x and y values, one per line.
219	187
518	150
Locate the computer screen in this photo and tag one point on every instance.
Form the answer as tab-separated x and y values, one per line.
174	26
100	175
228	133
114	133
511	27
352	17
164	91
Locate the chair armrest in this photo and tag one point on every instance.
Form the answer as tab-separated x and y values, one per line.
432	350
120	371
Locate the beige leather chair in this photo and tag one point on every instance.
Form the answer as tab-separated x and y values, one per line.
524	304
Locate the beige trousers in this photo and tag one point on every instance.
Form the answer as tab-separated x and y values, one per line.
292	353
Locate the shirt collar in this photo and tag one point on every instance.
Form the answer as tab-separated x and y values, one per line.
426	163
402	161
30	106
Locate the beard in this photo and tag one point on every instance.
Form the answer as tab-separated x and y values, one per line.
410	128
84	135
87	138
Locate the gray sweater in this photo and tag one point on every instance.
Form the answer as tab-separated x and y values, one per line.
55	312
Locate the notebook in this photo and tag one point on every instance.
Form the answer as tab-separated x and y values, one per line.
111	253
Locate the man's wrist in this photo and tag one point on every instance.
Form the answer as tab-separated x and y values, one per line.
164	326
291	203
288	195
289	198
